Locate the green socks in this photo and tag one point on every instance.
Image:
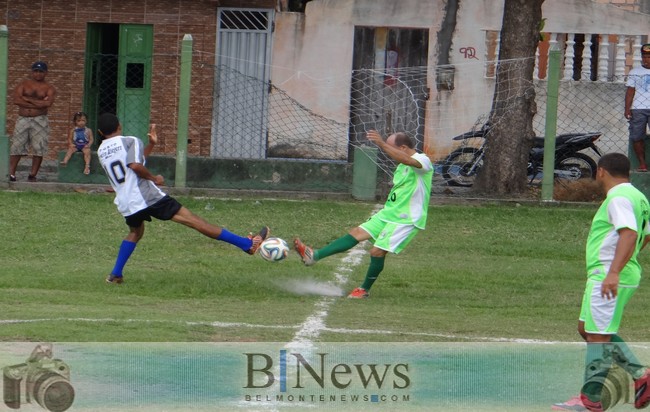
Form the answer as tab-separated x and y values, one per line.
625	358
375	268
339	245
348	242
599	362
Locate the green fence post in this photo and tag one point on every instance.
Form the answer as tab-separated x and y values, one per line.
364	173
4	139
550	129
183	111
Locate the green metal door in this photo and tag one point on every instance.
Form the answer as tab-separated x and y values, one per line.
134	78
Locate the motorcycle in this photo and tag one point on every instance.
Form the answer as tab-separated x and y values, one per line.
462	165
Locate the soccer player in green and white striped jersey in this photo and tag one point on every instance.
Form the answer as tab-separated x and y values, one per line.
397	223
619	230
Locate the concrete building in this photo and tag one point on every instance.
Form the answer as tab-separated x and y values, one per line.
332	63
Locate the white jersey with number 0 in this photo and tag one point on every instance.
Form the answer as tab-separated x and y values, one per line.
132	193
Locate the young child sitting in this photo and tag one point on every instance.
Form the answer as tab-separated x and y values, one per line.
80	139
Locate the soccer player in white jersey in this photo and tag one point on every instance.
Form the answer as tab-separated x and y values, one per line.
619	230
138	197
402	217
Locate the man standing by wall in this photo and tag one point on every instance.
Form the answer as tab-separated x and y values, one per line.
637	106
33	97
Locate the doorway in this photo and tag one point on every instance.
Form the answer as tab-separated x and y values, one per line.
118	75
242	83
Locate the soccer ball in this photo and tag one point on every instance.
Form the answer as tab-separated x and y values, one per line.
274	249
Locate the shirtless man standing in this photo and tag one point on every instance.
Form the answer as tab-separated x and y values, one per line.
33	97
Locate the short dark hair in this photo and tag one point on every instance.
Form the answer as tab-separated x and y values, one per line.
107	123
402	139
616	164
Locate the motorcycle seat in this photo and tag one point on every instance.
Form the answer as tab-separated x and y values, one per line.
563	138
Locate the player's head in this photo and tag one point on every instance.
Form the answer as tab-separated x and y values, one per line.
107	124
616	164
400	139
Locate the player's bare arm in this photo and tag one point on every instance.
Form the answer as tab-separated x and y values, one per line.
144	173
627	239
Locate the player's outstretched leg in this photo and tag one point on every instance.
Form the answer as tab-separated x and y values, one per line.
248	244
260	237
306	253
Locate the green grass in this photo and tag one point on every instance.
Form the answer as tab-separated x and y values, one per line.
492	271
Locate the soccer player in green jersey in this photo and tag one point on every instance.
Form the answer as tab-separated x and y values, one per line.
397	223
618	232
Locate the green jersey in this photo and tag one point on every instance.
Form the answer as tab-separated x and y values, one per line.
408	201
624	207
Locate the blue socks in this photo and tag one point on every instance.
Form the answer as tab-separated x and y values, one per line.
126	248
243	243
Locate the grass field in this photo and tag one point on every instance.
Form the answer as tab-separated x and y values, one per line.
478	273
490	271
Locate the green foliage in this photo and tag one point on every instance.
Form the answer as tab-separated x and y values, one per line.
476	272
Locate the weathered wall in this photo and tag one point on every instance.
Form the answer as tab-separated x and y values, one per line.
313	52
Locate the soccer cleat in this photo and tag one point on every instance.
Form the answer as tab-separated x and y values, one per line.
642	391
114	279
573	404
31	178
591	405
258	239
12	178
358	293
306	253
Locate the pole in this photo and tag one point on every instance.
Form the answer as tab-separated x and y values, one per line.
183	111
4	139
553	87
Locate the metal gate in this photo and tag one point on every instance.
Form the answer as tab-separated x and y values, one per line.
239	128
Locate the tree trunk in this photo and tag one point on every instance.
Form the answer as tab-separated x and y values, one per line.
513	105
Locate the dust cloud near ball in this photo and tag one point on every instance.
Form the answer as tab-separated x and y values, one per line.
309	287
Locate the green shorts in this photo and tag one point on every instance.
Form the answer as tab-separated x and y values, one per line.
603	316
391	237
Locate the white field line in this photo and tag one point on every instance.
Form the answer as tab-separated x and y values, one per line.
312	327
453	338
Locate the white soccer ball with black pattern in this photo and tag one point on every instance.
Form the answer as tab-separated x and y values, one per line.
274	249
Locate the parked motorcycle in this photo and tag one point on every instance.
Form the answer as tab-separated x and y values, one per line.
462	165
